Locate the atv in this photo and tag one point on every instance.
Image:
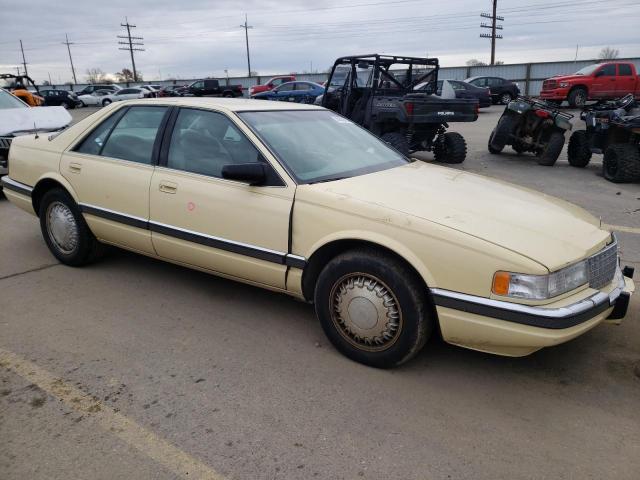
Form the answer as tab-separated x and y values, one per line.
613	128
530	125
19	86
400	106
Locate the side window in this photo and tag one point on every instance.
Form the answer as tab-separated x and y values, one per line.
94	142
302	86
276	82
457	85
286	87
479	82
198	85
624	70
133	137
608	71
203	142
494	82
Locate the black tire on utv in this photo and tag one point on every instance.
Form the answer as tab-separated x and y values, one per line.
398	141
552	151
450	148
501	134
578	151
622	163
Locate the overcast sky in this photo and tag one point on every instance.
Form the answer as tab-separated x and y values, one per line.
197	38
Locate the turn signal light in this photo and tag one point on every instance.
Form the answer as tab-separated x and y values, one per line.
501	281
543	114
409	108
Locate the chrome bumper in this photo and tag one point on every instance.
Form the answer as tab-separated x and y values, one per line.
553	318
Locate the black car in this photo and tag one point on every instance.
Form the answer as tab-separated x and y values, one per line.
213	88
466	90
502	90
54	98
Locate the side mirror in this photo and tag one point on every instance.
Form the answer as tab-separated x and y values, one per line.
254	173
600	73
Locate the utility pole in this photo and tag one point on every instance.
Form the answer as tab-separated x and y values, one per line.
246	27
24	62
73	70
131	45
50	82
494	27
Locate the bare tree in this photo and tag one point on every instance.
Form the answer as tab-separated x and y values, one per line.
125	75
609	53
474	62
95	75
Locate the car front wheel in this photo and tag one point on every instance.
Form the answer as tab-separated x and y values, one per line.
373	308
505	98
65	231
106	102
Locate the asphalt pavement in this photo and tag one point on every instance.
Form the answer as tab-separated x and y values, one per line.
132	368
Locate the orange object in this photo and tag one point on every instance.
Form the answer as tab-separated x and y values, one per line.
29	98
501	281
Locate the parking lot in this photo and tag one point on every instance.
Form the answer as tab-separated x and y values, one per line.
135	368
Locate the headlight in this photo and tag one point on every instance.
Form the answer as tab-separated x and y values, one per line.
540	287
564	84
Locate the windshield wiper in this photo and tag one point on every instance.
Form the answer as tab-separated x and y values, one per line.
332	179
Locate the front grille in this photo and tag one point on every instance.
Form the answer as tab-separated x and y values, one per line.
602	266
5	142
549	84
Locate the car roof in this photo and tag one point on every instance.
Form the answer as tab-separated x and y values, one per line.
225	104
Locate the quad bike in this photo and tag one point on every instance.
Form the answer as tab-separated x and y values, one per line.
613	128
400	105
530	125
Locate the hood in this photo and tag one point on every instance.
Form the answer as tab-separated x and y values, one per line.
33	119
545	229
570	77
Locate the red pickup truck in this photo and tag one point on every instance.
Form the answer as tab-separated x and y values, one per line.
271	84
602	81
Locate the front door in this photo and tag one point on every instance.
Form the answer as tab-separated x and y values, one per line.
604	83
199	218
110	171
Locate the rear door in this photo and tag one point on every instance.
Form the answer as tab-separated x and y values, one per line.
627	81
199	218
110	170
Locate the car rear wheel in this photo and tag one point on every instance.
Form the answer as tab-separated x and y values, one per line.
549	155
372	308
397	140
450	148
505	98
65	231
621	163
578	151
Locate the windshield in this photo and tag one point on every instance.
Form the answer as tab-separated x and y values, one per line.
9	101
318	145
587	70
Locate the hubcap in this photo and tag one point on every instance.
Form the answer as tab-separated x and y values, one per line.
62	227
365	312
506	98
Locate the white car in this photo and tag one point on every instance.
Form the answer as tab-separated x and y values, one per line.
125	94
94	98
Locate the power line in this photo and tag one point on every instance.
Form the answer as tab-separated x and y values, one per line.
132	46
73	70
494	27
246	27
24	62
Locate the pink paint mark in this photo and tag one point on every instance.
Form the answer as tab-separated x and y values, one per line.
191	206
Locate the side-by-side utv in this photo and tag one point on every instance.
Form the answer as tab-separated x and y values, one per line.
395	98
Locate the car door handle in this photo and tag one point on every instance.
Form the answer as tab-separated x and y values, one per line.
75	167
168	187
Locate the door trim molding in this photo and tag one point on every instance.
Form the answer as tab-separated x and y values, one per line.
246	249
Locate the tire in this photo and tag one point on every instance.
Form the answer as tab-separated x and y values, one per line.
397	140
106	102
552	151
82	104
505	98
450	148
365	285
577	98
71	106
501	134
621	163
65	231
65	105
578	151
227	95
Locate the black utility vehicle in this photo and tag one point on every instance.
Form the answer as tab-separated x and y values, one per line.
213	88
530	125
502	90
396	104
55	98
613	128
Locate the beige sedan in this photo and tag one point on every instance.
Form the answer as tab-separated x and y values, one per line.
299	200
